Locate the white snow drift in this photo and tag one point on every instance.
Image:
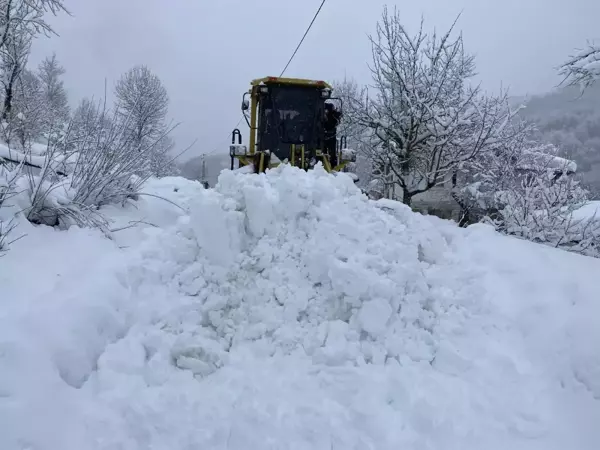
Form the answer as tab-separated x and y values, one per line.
285	310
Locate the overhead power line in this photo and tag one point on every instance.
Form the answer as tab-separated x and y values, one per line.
303	37
289	61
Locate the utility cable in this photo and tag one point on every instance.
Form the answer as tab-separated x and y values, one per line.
289	61
303	37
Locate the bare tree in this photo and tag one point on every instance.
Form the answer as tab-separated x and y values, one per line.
20	22
143	101
424	118
582	68
54	96
29	106
89	119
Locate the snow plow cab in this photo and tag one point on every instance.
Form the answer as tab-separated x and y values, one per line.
287	124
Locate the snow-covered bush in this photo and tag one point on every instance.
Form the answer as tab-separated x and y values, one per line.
541	209
75	164
102	166
571	121
526	190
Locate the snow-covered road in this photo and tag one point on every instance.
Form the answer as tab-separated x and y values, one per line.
288	312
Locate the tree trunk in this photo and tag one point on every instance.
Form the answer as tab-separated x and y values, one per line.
406	198
8	95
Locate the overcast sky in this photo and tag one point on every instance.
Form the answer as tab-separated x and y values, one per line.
206	52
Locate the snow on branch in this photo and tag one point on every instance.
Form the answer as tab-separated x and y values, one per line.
524	189
27	17
582	68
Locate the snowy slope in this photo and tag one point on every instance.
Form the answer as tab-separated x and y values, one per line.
287	311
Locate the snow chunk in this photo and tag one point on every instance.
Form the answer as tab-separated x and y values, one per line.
374	315
218	228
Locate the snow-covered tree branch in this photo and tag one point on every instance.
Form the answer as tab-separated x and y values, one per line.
424	119
475	182
27	17
353	135
582	68
541	207
525	189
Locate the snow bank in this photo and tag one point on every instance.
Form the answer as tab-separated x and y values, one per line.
285	310
62	301
160	204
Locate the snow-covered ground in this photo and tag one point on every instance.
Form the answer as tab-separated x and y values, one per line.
590	210
37	157
287	311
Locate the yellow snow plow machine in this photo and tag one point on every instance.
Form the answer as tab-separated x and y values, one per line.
292	121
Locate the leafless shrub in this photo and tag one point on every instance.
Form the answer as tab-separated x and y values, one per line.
103	166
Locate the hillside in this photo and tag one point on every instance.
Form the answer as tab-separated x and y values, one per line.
571	121
288	311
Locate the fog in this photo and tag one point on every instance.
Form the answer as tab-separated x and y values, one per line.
206	53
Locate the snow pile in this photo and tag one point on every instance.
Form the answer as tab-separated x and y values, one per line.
285	310
303	315
286	263
62	301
